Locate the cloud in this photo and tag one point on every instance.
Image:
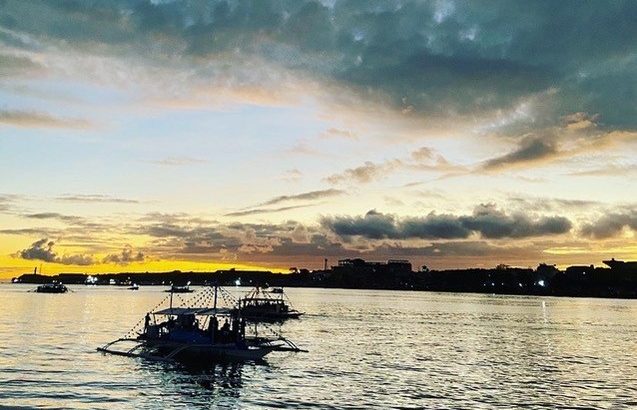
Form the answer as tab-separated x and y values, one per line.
7	202
531	150
40	250
257	211
611	224
292	175
424	66
365	173
486	220
125	257
27	231
12	65
43	250
551	204
422	159
92	198
339	133
607	170
177	161
32	119
493	223
82	260
54	215
305	196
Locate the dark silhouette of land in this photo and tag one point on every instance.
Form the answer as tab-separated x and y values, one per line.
618	280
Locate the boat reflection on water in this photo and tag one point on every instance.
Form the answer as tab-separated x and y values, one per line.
208	384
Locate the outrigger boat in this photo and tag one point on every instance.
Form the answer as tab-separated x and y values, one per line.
180	289
55	287
193	333
262	306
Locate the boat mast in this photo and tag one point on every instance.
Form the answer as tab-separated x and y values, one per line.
215	300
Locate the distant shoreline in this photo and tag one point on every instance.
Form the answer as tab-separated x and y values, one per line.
617	281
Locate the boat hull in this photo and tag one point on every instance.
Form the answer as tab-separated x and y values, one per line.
210	353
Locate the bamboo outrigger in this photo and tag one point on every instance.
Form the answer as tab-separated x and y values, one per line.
189	333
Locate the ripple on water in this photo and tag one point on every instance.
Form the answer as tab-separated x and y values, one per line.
380	349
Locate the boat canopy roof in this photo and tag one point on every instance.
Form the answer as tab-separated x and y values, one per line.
201	311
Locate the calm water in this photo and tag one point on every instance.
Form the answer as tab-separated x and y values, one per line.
367	349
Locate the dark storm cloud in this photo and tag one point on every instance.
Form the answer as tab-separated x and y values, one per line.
611	224
43	250
529	151
437	57
493	223
40	250
128	255
486	220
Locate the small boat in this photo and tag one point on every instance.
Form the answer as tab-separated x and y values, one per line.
262	306
277	290
55	287
180	289
194	334
134	286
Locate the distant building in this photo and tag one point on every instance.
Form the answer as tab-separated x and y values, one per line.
577	271
621	266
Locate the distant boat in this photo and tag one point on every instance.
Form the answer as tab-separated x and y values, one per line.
261	306
55	287
180	289
134	286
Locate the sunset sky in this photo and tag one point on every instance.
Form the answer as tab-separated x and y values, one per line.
194	135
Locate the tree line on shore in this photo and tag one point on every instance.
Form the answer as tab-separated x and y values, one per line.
586	281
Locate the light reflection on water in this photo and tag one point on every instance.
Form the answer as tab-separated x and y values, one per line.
367	348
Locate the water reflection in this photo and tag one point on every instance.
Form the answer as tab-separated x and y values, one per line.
376	349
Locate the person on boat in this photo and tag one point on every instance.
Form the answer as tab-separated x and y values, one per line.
213	328
225	331
147	321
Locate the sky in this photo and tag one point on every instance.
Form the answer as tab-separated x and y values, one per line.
197	135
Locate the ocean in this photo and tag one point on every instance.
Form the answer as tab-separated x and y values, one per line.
367	349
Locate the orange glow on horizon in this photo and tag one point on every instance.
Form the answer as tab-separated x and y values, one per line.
12	267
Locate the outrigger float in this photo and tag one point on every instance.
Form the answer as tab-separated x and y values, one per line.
193	333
